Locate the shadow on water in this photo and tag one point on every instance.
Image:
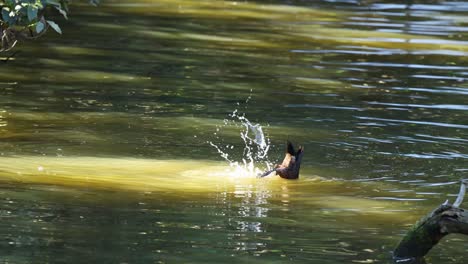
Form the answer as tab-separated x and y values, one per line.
104	131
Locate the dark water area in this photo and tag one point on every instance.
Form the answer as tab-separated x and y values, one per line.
105	131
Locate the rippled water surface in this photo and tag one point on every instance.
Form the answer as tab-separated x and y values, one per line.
105	131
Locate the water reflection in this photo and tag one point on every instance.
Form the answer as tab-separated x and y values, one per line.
244	209
374	89
3	122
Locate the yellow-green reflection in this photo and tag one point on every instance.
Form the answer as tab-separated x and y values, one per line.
182	176
223	9
104	132
127	174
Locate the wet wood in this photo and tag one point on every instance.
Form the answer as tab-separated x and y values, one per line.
427	232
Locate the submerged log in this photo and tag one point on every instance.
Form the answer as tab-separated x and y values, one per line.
289	168
427	232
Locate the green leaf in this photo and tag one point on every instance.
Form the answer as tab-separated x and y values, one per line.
94	2
40	27
54	26
64	5
63	12
53	2
38	4
32	12
5	14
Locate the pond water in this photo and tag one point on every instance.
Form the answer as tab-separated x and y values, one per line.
105	131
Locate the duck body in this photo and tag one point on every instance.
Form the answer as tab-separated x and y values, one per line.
289	168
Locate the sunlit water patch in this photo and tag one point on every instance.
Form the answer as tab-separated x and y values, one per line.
121	173
100	164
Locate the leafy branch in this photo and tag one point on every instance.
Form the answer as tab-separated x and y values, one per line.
26	19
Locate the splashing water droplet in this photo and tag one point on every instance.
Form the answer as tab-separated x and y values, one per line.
254	158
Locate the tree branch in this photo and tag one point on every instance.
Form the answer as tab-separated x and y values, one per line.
461	194
427	232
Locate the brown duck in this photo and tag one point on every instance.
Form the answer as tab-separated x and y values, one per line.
289	169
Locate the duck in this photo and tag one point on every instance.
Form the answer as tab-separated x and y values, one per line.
289	168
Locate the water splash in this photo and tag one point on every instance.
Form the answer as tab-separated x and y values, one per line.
254	157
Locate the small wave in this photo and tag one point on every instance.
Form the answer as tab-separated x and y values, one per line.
323	106
398	198
449	125
435	106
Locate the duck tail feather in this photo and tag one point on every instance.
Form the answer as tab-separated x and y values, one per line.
290	148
